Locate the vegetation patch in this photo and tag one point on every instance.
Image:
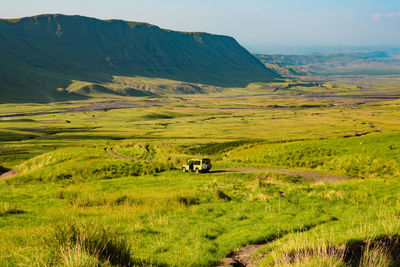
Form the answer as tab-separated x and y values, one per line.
72	165
341	155
153	116
382	251
188	200
164	116
80	200
14	136
7	209
220	194
77	244
16	120
215	148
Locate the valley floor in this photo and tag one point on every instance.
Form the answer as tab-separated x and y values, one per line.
302	176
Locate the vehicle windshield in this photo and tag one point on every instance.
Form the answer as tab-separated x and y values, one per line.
206	161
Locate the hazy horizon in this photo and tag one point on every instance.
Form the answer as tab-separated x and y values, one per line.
261	26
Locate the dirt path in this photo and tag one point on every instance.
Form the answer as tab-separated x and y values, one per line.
116	154
109	152
316	176
243	256
8	174
119	154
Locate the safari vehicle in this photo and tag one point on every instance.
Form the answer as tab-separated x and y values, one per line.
197	165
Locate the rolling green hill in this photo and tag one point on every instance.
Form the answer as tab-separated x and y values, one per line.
347	63
42	53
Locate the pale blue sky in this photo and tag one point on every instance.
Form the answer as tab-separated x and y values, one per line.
256	24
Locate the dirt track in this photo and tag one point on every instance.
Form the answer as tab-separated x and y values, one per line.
316	176
241	257
8	174
116	154
119	154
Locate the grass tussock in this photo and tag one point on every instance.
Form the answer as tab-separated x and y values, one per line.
75	244
188	199
220	194
78	257
79	200
7	209
382	252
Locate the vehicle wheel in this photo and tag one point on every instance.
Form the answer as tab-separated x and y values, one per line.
184	169
197	170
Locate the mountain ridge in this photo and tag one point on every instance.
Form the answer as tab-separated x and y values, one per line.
48	51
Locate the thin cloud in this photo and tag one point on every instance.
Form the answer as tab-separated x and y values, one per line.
377	16
389	15
392	15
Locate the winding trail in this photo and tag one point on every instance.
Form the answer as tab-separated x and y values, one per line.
241	257
109	152
116	154
119	154
244	256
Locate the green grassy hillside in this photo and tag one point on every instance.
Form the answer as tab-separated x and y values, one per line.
307	174
42	53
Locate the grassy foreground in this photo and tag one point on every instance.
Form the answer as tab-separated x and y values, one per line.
73	204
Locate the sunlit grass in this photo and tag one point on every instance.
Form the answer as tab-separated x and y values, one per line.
166	217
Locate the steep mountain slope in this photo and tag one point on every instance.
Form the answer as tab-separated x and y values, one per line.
42	53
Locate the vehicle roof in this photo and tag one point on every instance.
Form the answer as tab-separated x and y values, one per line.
200	159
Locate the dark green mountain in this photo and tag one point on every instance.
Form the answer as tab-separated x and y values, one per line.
42	53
